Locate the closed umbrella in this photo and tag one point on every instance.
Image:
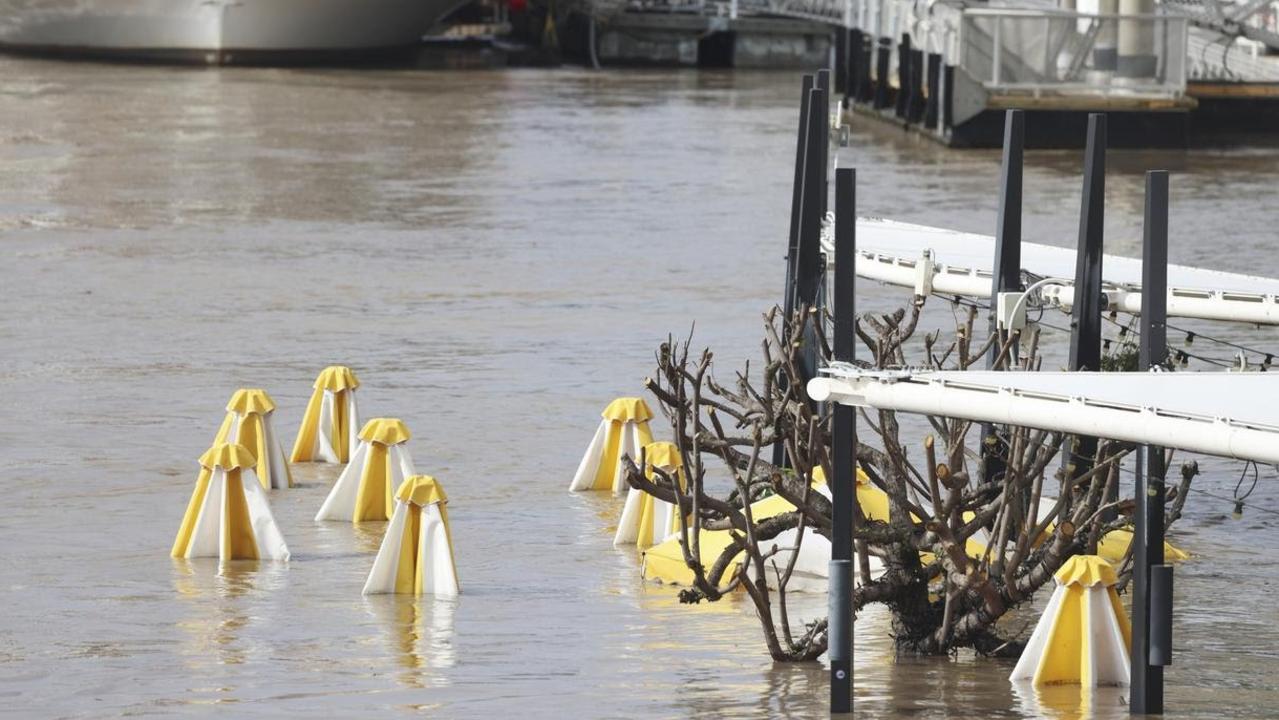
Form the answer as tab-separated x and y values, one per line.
646	520
416	556
248	423
365	489
623	431
328	432
1084	634
228	516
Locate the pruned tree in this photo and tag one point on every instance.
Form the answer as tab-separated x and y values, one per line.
956	551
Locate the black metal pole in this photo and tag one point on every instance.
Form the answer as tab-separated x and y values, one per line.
1147	686
853	66
903	74
866	93
841	61
948	96
1085	324
823	143
1007	266
792	247
882	60
916	104
808	263
844	456
931	110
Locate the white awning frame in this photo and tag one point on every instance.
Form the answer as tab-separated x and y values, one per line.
996	398
928	260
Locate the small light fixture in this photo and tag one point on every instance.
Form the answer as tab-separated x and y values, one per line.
1238	513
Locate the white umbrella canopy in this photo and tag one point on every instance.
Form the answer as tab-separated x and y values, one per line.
329	427
623	431
416	556
1230	414
961	264
365	489
249	423
229	516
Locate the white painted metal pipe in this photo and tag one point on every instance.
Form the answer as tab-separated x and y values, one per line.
1060	412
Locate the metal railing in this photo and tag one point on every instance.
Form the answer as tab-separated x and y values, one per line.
1044	50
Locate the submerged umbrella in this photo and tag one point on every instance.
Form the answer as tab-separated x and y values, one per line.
1084	635
228	516
665	563
248	423
328	432
364	490
623	431
416	556
646	520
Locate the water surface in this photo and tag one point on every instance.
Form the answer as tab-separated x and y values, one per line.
497	255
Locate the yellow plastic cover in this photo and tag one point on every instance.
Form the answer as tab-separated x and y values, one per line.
387	431
1087	570
663	455
227	456
247	401
336	378
421	490
628	408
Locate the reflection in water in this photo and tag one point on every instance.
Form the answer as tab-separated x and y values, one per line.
420	629
217	596
1071	702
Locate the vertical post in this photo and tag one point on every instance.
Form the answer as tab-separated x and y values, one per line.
1085	323
841	60
947	96
903	74
931	110
882	59
997	54
1007	266
852	69
915	89
844	455
792	247
1148	531
823	146
797	191
808	261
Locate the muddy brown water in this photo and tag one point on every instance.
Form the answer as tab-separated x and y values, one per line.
496	254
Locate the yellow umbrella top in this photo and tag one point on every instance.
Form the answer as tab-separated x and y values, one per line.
246	401
819	476
228	456
663	455
336	378
385	431
421	490
1087	570
628	408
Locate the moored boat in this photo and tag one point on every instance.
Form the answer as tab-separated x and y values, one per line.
218	31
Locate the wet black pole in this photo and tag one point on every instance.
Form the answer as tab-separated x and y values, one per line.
1085	324
792	247
844	456
903	75
932	112
808	262
1007	266
882	59
1151	648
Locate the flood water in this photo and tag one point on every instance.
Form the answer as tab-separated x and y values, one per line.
496	254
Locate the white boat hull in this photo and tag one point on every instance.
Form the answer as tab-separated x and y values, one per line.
217	31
